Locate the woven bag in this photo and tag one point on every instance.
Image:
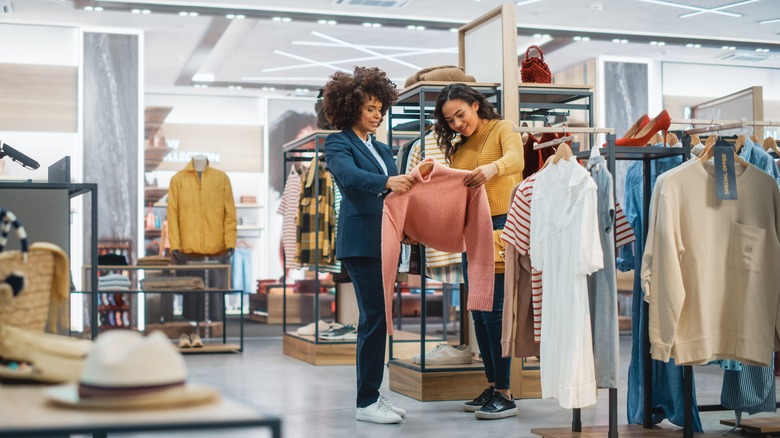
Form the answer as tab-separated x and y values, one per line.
535	70
26	307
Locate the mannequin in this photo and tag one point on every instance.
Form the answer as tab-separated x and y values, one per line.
185	197
202	228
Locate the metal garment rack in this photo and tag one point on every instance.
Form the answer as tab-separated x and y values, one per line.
417	103
646	154
712	127
610	152
75	189
541	101
303	150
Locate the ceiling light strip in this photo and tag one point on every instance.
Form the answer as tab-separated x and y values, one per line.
719	8
689	7
370	52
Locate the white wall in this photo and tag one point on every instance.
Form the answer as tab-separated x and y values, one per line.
717	80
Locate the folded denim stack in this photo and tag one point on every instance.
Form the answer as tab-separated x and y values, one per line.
323	326
345	333
446	354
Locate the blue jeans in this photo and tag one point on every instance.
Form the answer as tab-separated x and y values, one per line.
488	325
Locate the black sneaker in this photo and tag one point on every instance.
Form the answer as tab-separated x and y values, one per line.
497	407
474	405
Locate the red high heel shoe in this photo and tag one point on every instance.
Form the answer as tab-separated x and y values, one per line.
661	122
639	124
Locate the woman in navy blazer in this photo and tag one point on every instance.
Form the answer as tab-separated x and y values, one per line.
364	171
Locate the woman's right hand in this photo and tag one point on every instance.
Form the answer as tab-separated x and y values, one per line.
399	183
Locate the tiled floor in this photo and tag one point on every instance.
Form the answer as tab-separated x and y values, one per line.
319	401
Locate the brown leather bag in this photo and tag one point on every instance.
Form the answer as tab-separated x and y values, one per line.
441	73
535	70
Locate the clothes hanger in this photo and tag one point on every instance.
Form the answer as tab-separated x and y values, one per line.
695	139
562	153
709	153
754	138
671	139
243	244
740	142
771	143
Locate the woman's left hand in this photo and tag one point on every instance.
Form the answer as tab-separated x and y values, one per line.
481	175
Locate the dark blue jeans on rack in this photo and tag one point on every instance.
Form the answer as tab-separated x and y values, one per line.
487	327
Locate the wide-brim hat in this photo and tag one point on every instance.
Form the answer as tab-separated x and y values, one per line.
188	395
125	370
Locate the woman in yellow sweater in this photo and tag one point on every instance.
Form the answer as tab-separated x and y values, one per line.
474	137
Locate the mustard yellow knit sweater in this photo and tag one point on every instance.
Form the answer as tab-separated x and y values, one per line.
495	143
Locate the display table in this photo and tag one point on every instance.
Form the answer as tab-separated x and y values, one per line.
24	412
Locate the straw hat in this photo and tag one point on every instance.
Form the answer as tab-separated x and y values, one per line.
126	370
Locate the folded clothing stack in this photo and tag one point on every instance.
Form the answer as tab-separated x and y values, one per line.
154	261
113	282
172	283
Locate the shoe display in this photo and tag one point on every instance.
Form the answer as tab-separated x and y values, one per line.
196	341
377	413
184	341
125	319
446	354
308	329
661	122
639	124
477	403
401	412
497	407
347	332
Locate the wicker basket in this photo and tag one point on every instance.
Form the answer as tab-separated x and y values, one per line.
30	309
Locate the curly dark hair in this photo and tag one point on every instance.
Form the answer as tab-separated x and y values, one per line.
345	94
445	134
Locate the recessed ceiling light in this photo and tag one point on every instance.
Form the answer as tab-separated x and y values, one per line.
774	20
240	16
657	43
452	29
332	22
693	46
276	19
183	13
322	21
762	50
526	2
620	41
136	11
146	11
88	8
230	16
616	40
581	38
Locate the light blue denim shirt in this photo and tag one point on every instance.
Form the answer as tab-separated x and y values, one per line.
757	156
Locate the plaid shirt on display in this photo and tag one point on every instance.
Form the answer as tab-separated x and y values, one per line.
312	202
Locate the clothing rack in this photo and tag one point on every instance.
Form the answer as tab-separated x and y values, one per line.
720	125
304	149
688	369
576	424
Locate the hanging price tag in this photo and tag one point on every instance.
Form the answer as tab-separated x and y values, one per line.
725	174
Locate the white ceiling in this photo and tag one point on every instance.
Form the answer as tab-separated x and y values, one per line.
258	52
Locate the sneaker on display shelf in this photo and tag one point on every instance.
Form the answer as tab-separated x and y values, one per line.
446	354
308	329
347	332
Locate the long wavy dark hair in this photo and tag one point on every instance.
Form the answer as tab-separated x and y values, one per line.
344	95
444	134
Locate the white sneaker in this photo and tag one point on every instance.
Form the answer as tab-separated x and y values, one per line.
401	412
308	329
446	354
377	413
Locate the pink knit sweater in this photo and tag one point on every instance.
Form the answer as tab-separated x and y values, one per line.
441	212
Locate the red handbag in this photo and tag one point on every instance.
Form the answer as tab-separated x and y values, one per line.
535	70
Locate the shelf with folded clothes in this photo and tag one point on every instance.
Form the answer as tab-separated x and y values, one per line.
165	282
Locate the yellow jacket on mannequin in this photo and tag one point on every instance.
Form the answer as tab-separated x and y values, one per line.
201	211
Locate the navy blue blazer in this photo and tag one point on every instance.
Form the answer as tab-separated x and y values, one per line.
361	181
